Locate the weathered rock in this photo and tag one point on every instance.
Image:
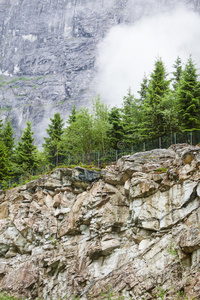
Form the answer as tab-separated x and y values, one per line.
133	233
26	278
190	240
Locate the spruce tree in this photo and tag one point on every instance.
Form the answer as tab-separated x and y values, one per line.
4	163
177	73
170	113
52	145
79	137
188	96
26	151
143	89
72	117
128	120
1	129
100	124
115	133
8	139
153	123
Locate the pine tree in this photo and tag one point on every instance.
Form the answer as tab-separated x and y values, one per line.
72	117
143	89
100	124
131	118
1	129
78	137
188	96
8	139
115	133
153	124
52	145
4	163
128	121
177	73
170	113
26	151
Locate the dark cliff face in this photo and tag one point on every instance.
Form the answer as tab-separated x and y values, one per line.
48	52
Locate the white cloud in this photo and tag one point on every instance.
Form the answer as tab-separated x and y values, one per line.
129	51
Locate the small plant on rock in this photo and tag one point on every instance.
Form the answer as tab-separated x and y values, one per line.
161	293
172	250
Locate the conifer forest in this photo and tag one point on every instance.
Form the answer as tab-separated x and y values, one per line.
167	104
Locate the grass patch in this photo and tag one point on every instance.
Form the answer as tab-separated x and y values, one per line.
4	296
161	170
88	167
3	83
6	108
39	77
21	78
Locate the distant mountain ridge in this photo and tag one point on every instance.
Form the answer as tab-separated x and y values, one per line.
48	53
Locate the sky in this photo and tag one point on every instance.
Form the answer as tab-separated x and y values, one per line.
128	52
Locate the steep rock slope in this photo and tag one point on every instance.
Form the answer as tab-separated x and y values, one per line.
49	48
133	233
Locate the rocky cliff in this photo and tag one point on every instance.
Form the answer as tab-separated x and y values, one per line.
48	52
129	232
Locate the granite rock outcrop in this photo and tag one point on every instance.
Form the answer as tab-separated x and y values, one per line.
131	231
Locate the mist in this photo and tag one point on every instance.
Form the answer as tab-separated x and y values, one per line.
128	52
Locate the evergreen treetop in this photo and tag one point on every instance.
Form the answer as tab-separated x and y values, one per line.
188	96
26	151
8	139
52	145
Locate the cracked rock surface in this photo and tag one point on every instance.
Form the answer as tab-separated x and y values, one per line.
132	231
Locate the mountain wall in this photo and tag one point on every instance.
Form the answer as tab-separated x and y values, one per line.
49	49
129	232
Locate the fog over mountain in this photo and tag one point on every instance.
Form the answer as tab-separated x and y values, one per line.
128	52
55	54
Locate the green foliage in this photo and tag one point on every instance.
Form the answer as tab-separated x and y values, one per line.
52	145
6	108
1	129
4	296
143	89
4	162
53	241
79	137
161	170
161	293
170	113
130	118
109	294
153	123
159	110
172	250
101	124
72	117
177	73
26	151
115	132
188	96
8	139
